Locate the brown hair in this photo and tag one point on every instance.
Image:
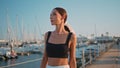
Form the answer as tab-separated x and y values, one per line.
62	12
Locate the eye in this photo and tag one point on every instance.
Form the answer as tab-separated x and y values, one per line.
54	14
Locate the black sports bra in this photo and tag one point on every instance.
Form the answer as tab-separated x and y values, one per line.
57	50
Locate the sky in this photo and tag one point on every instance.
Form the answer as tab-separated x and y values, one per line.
32	17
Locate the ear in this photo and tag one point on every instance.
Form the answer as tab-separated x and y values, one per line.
63	17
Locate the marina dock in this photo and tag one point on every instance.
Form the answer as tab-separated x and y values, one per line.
92	55
109	59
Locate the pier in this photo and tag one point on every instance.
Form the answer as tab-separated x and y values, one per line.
109	59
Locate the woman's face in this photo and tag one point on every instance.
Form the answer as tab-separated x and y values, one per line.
55	17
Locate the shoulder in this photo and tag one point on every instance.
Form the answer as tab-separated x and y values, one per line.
73	36
46	34
73	41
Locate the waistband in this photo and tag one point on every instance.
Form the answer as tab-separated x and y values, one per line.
62	66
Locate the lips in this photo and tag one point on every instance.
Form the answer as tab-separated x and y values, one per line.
52	20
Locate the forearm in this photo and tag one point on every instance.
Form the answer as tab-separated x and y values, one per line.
43	63
73	63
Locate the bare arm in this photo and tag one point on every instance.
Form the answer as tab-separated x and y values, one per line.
73	51
45	57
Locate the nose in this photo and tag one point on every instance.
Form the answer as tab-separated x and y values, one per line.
50	16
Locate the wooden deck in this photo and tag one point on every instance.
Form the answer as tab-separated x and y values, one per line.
110	59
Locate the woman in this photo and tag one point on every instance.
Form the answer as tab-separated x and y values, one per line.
60	43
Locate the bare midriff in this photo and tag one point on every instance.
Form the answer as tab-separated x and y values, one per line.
57	61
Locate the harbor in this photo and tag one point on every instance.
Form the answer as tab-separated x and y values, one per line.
31	61
94	25
89	54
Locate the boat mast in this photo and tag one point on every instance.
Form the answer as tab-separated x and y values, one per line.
95	31
39	30
8	27
16	28
22	31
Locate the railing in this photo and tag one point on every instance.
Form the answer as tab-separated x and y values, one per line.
92	54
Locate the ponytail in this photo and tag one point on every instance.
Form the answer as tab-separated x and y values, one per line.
66	28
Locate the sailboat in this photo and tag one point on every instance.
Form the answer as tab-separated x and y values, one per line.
8	51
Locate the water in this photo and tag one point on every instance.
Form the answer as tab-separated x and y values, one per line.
31	61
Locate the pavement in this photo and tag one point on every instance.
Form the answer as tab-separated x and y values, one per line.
109	59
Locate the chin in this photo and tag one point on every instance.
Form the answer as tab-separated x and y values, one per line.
52	24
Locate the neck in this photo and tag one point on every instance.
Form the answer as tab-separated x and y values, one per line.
60	29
